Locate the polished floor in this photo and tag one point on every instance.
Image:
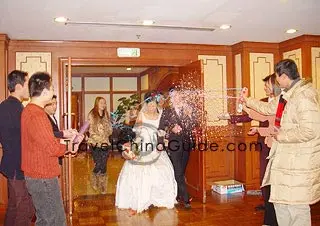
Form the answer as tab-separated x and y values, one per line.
91	208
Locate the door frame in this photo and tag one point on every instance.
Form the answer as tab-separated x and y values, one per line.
66	72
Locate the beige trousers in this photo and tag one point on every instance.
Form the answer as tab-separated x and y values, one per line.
293	215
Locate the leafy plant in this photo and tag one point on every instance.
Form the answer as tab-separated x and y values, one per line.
125	104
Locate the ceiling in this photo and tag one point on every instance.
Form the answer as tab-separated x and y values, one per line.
251	20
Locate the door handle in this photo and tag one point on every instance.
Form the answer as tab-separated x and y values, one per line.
66	114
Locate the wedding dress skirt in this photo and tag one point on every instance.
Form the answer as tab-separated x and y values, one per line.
139	186
142	185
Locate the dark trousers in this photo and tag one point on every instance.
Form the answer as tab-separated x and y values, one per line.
179	158
47	200
270	217
269	212
264	153
100	156
20	208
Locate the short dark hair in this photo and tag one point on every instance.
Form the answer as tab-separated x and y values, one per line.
288	67
14	78
54	96
38	82
173	88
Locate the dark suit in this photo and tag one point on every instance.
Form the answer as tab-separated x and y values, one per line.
179	146
56	131
269	215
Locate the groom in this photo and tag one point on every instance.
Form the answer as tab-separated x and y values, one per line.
177	121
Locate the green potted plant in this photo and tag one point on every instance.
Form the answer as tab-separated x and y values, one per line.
124	106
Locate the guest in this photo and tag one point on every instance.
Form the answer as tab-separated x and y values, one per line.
293	170
40	150
132	114
99	131
20	209
51	109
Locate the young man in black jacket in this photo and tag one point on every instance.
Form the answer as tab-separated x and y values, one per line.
20	209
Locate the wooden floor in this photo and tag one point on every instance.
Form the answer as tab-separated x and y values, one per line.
91	208
236	209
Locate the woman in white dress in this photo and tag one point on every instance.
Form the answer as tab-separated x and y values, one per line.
147	179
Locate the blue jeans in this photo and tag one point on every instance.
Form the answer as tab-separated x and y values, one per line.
47	199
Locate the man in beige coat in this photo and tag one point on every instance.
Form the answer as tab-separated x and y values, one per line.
293	170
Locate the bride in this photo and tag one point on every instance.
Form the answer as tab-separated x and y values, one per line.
147	179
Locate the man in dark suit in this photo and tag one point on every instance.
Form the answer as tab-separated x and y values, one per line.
178	122
51	109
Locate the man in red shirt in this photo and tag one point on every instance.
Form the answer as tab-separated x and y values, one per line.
40	150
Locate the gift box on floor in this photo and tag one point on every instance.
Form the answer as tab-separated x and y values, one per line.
227	187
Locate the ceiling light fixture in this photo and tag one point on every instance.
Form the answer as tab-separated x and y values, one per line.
129	68
291	31
225	26
148	22
151	26
61	19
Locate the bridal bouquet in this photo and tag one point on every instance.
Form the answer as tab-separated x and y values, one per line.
143	149
132	150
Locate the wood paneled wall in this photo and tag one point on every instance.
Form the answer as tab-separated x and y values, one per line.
4	41
303	44
243	65
315	58
3	93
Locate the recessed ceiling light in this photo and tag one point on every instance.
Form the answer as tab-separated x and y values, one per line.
61	19
129	68
291	31
225	26
148	22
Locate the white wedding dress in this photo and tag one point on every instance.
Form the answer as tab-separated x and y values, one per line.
148	182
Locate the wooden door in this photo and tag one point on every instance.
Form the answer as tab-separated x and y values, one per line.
66	106
192	79
76	110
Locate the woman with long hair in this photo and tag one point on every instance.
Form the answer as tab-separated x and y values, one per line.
99	131
146	179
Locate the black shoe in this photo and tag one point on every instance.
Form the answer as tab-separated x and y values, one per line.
180	200
260	208
187	205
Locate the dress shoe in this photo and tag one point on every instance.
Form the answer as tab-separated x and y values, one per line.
180	200
260	208
187	205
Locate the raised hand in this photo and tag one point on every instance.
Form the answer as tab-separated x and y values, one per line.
176	129
75	146
69	133
275	132
243	95
252	131
224	116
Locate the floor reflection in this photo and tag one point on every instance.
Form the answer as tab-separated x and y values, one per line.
82	168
